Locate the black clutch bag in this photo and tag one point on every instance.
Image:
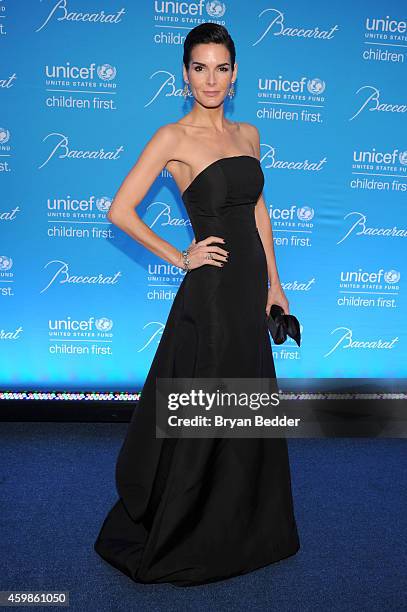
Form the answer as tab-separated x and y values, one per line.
282	325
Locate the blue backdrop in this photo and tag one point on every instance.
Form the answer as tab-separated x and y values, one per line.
85	84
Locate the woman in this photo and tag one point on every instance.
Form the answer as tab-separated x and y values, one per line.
196	510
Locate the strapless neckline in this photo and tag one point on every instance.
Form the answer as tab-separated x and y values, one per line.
211	165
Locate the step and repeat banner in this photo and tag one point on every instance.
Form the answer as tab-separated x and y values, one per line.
86	83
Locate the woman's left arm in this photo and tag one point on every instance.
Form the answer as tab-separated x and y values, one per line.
276	293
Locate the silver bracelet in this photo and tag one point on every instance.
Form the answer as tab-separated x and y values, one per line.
185	259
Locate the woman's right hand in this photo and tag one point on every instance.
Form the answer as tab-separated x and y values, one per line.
198	253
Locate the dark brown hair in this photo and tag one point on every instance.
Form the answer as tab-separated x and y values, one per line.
208	33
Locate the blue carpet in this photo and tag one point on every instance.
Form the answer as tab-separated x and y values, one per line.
57	484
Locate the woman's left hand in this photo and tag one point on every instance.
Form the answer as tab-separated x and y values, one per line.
276	295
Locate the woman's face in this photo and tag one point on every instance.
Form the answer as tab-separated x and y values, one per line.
210	73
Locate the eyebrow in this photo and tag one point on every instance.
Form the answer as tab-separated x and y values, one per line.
202	64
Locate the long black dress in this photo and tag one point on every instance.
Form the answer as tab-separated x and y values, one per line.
196	510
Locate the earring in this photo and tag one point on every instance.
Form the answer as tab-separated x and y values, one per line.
231	91
185	91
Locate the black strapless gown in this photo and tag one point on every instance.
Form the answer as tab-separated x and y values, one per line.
196	510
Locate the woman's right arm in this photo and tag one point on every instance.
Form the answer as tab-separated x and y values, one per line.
134	188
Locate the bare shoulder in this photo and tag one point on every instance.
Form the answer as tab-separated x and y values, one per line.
171	137
252	134
162	145
250	129
166	134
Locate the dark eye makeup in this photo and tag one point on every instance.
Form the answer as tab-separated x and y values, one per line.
223	68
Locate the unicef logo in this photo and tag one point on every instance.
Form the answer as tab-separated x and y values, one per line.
316	86
305	213
104	324
403	158
103	203
215	8
4	135
106	72
392	276
5	262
